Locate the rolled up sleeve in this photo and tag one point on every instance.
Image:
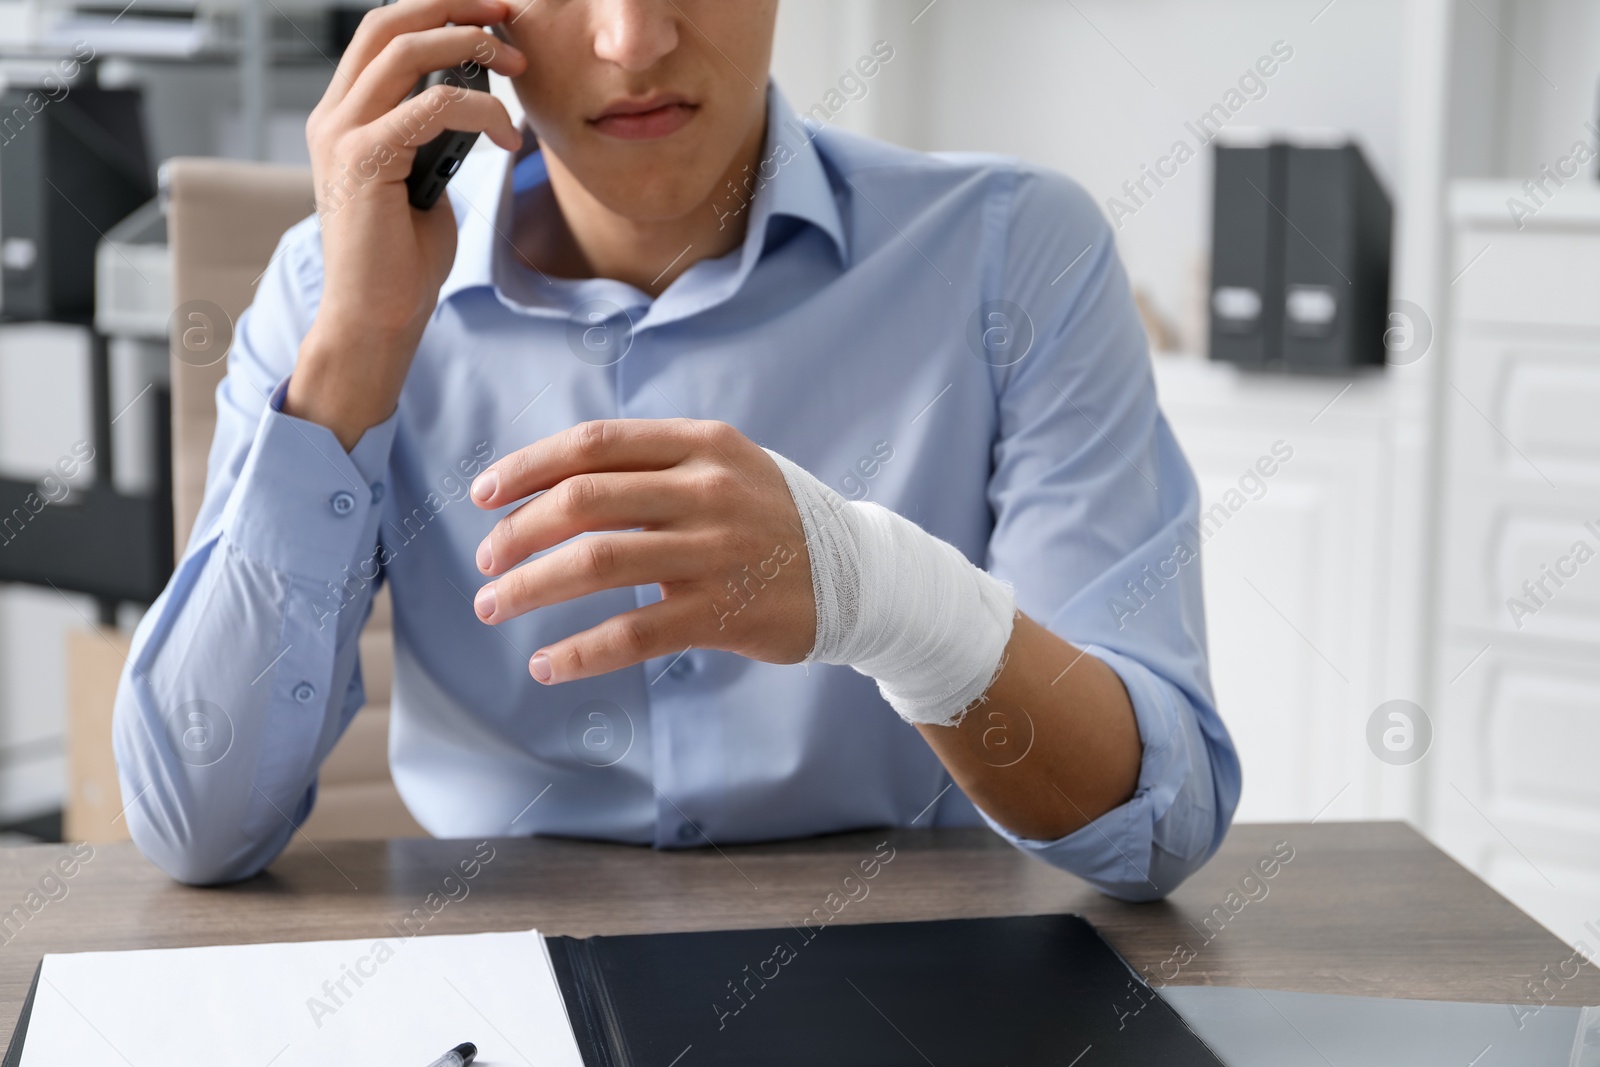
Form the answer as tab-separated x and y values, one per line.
1095	526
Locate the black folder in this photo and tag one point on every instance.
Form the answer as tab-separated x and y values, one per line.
1019	992
20	1035
1335	261
1247	249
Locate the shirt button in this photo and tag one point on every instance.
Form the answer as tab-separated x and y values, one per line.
681	667
687	832
304	692
343	502
377	492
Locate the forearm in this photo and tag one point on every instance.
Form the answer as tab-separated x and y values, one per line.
1053	745
1040	736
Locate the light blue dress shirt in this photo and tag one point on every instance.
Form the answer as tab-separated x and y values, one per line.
950	336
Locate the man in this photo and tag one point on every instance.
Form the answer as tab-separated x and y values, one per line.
774	432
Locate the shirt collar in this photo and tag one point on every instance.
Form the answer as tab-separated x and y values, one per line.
790	181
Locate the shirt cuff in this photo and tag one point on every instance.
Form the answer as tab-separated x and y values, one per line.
302	504
1141	849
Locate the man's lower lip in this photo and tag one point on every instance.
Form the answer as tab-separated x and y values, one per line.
647	125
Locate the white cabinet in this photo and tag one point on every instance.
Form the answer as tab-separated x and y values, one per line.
1515	789
1313	585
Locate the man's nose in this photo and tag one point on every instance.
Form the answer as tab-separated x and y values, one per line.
635	34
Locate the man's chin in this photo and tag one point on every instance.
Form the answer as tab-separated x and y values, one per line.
650	195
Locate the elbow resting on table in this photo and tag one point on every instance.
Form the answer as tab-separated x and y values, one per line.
1176	821
1166	873
197	861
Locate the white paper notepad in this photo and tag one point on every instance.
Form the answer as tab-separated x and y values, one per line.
397	1002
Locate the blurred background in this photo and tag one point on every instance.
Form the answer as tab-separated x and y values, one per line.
1404	615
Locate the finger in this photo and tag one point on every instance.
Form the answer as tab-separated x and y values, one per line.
585	503
394	139
383	24
659	629
589	565
593	447
395	70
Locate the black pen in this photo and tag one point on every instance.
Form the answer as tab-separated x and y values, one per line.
459	1056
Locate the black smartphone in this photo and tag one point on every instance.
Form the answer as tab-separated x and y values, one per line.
437	161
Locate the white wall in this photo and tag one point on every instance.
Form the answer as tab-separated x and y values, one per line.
1550	78
1098	88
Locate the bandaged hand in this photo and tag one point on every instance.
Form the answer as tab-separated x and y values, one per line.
900	605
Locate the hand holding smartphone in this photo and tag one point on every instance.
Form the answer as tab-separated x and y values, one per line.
398	116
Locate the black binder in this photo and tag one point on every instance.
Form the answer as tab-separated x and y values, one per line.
1335	261
1023	992
1247	255
1299	259
79	169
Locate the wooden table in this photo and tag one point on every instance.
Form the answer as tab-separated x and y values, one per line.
1361	908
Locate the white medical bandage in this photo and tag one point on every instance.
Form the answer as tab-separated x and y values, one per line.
899	605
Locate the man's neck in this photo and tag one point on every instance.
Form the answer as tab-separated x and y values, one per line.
564	231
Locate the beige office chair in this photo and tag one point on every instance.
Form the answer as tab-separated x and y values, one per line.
224	219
